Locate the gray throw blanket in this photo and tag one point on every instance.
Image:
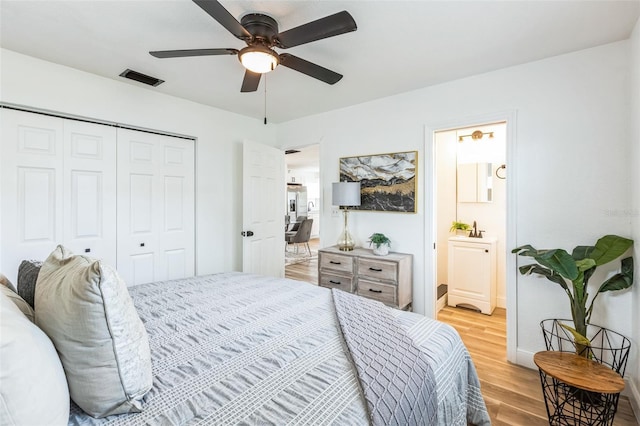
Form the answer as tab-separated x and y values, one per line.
396	378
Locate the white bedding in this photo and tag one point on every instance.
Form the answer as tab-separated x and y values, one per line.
242	349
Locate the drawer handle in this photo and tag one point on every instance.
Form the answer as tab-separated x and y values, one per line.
375	269
375	291
335	263
335	282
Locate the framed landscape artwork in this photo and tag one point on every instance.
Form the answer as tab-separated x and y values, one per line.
387	181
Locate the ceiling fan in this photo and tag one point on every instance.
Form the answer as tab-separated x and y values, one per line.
260	32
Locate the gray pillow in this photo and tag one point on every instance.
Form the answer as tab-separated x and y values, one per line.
27	276
85	309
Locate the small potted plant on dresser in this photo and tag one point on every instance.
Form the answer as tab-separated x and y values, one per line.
380	244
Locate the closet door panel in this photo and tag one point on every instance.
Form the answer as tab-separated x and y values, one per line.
90	190
156	207
31	156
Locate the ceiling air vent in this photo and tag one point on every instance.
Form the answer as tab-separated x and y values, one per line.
291	151
142	78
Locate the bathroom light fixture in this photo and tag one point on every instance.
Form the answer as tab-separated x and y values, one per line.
345	194
475	135
258	59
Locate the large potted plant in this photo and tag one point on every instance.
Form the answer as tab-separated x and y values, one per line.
573	271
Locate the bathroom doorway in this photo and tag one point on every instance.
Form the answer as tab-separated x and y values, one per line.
471	187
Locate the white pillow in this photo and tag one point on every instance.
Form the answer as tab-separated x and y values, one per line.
86	310
34	389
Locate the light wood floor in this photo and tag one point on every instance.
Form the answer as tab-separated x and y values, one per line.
512	393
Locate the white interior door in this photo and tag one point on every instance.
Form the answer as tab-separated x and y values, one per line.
89	175
31	162
263	196
156	207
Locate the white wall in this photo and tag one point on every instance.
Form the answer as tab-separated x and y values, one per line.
35	83
634	362
571	170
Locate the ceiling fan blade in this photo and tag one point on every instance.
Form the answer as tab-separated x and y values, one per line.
224	18
250	81
329	26
192	52
309	68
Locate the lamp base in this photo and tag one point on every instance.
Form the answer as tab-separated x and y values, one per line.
345	242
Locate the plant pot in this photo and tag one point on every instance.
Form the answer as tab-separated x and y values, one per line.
381	250
461	232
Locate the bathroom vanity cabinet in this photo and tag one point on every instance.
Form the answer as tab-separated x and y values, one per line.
472	273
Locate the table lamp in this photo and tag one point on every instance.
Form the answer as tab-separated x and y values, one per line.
345	195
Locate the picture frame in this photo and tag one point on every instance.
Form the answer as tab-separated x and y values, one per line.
388	182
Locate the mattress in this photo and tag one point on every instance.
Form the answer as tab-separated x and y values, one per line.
236	348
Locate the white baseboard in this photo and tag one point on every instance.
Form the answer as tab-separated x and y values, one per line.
634	398
442	302
525	359
501	302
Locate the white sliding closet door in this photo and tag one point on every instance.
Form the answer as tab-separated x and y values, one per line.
58	187
156	200
89	205
31	206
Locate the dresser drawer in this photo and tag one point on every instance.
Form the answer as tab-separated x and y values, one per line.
380	270
336	262
384	293
340	282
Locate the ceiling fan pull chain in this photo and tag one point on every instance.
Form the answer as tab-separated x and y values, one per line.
265	99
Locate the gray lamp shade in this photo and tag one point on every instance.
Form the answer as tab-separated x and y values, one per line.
345	194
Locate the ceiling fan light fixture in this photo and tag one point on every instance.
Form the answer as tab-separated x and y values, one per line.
258	59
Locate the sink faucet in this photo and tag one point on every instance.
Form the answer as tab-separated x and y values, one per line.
474	233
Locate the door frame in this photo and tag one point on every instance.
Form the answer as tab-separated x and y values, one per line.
430	294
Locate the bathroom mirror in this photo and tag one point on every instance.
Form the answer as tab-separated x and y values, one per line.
475	182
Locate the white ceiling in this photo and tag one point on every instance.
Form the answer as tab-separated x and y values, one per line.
399	45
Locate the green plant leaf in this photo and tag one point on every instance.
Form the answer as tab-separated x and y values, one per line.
579	338
581	252
620	281
585	264
547	273
609	248
560	261
526	250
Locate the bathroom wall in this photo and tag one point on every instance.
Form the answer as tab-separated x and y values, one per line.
490	216
445	188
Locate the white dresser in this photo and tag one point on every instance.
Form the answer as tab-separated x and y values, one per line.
472	273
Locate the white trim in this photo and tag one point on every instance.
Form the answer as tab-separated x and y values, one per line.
634	398
525	359
441	303
510	117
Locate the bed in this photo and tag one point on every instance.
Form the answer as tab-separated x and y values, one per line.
236	348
